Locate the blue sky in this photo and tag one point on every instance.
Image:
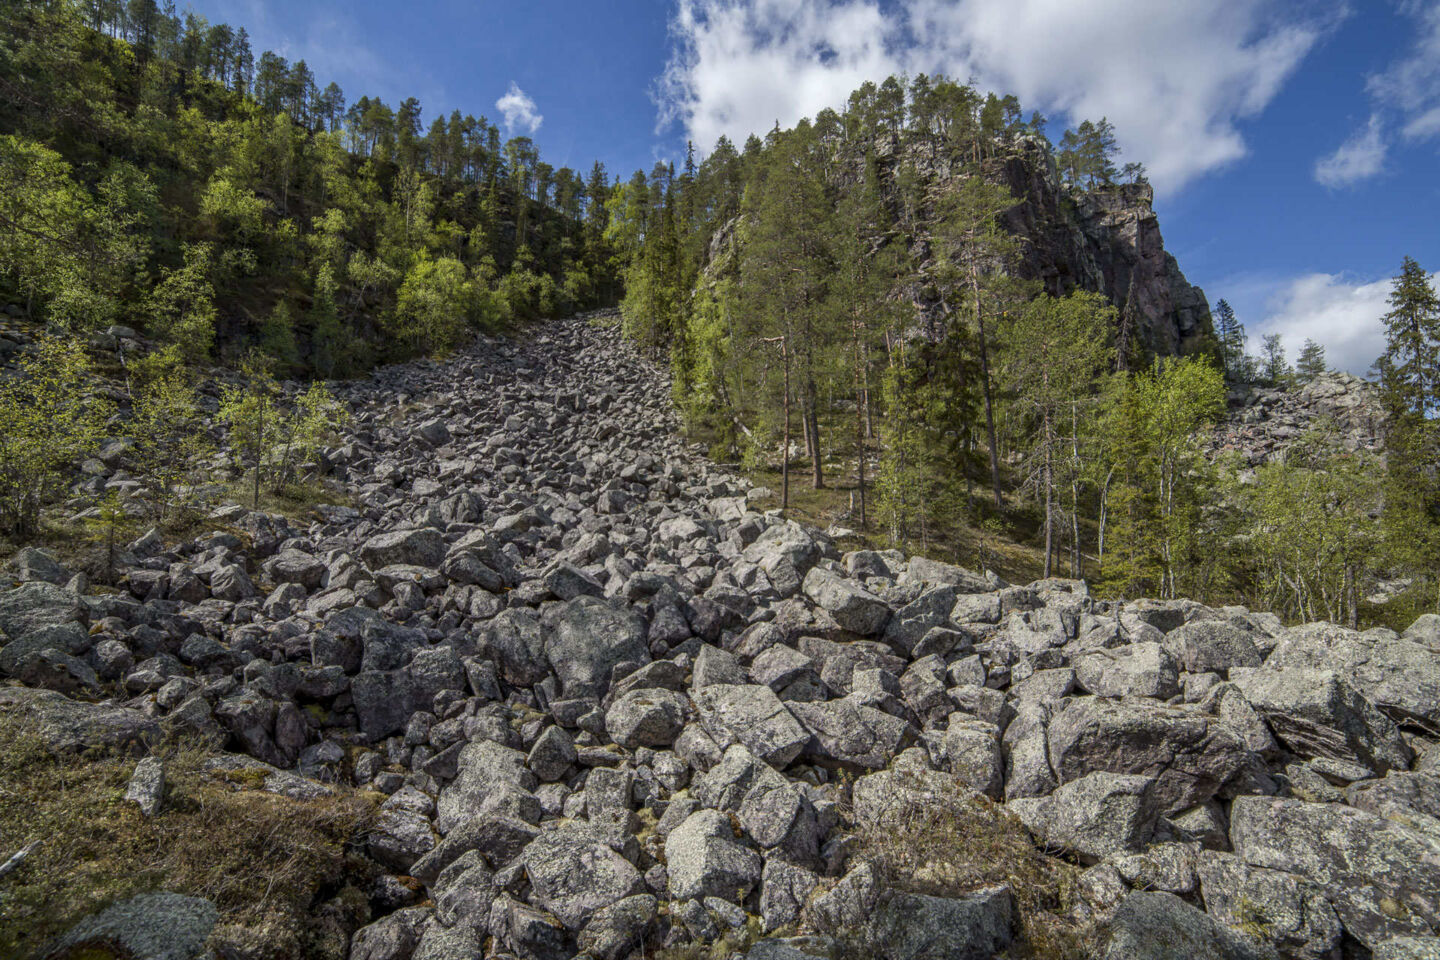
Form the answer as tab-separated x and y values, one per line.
1294	144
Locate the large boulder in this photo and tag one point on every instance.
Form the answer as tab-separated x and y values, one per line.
1400	676
1190	755
1316	713
422	548
1381	876
586	638
574	873
1134	670
912	926
850	732
1160	926
483	770
34	606
753	715
1212	646
703	859
156	926
71	726
1095	816
646	718
1292	913
854	608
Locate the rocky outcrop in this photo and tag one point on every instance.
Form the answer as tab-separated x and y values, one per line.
1106	240
1262	422
611	707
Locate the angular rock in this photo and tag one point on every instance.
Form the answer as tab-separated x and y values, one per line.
751	714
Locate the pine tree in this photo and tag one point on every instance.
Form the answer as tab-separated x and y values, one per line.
1410	367
1311	362
1274	367
1409	382
1231	334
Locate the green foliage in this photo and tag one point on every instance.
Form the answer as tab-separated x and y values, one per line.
168	432
48	424
436	304
204	192
1159	480
270	438
1307	528
182	306
66	250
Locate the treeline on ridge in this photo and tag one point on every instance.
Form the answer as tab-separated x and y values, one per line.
154	173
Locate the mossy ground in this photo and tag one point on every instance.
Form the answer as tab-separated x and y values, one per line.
969	843
281	871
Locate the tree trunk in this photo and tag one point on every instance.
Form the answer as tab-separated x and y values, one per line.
259	455
985	378
859	417
1049	482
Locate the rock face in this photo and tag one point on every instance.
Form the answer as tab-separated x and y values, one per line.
1105	241
612	708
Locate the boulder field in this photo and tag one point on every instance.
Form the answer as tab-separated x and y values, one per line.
614	708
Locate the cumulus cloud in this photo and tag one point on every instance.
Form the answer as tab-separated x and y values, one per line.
1175	81
1342	315
1359	158
519	111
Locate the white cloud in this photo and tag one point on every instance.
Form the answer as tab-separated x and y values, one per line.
519	110
1341	315
1411	84
1174	80
1359	158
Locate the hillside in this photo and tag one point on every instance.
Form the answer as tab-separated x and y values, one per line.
557	687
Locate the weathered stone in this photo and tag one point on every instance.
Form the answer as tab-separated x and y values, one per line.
1161	926
574	873
1190	756
911	926
156	926
422	548
1132	670
586	638
1316	713
646	718
703	859
751	714
854	608
1095	816
848	731
1382	877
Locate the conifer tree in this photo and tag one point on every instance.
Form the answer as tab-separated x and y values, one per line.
1274	367
1311	362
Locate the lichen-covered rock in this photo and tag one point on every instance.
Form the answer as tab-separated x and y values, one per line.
1382	877
156	926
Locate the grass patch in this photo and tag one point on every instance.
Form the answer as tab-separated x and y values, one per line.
278	869
965	543
295	501
956	847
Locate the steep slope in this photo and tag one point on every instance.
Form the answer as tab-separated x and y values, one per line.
1106	241
612	709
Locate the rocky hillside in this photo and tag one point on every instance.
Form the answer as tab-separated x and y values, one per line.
1106	241
607	709
1261	422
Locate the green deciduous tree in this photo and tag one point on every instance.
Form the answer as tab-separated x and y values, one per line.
48	423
